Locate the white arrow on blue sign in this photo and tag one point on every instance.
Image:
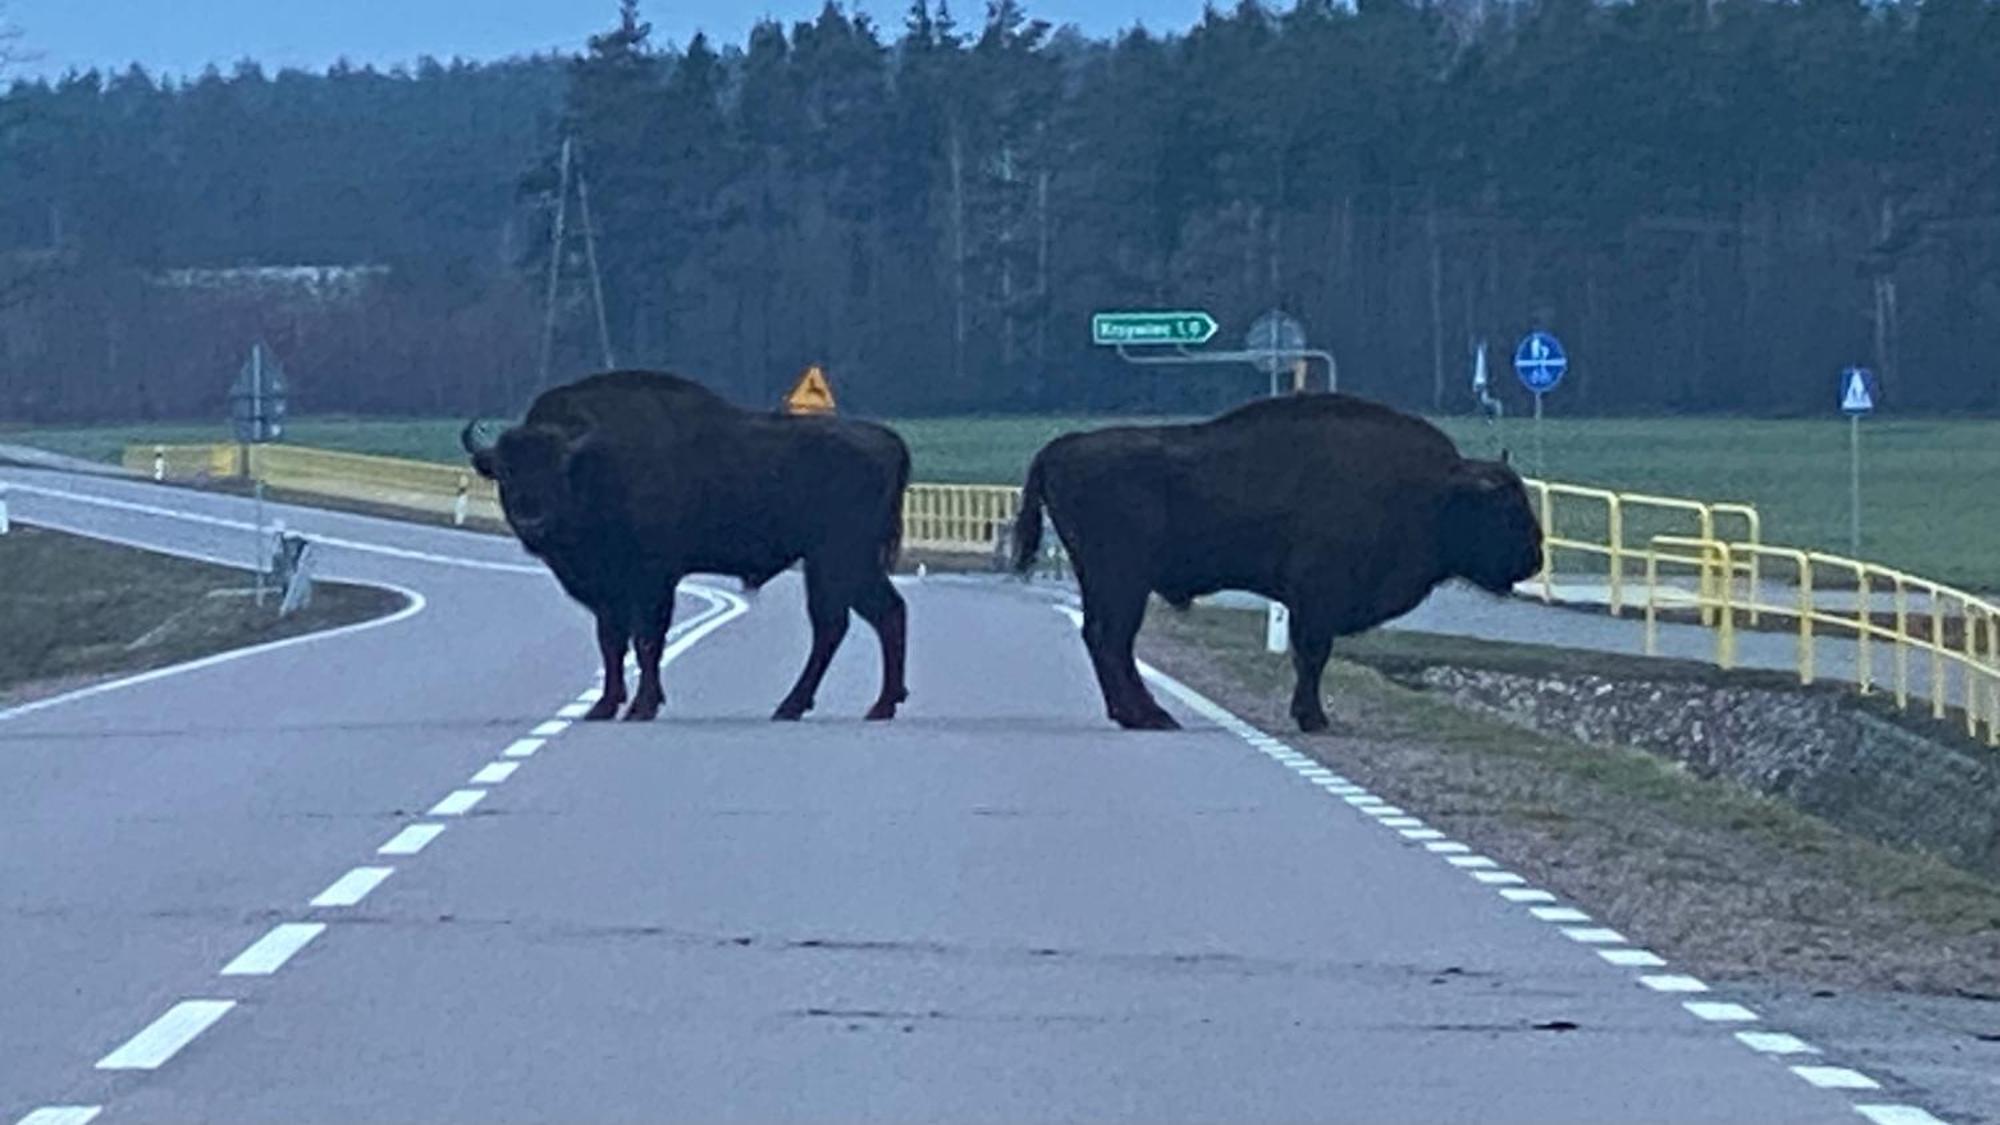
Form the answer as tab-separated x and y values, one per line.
1858	391
1540	363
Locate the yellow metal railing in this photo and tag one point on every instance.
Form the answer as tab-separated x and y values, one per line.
1971	663
183	462
1614	510
964	518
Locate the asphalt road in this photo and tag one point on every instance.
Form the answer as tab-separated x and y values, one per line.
996	908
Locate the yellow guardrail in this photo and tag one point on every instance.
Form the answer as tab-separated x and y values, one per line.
419	485
1613	511
183	462
1970	661
965	518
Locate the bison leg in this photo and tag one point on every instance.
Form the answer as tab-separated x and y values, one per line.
651	643
611	640
883	608
828	613
1312	643
1110	627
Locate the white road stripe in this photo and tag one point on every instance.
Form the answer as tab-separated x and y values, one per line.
1362	800
1498	878
1522	894
1775	1043
1673	983
63	1115
270	952
1470	861
1836	1078
165	1037
593	695
494	773
1422	834
458	802
411	840
1633	958
1897	1115
352	887
1718	1012
1400	822
1591	936
1559	913
525	748
550	729
573	711
1447	847
1384	810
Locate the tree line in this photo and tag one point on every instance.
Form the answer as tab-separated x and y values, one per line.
1716	203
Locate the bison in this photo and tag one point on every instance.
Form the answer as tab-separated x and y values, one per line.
1343	510
624	482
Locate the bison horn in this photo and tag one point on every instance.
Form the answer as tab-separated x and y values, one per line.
468	437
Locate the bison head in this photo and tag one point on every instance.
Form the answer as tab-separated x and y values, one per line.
535	467
1490	535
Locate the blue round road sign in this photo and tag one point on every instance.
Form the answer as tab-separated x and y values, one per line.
1540	362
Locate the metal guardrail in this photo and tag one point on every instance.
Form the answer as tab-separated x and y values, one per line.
1612	511
1974	656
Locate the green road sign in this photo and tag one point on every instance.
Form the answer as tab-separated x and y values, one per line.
1152	328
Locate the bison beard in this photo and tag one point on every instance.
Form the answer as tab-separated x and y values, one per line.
626	482
1345	511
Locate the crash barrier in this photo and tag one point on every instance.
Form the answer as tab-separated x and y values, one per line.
1891	617
1610	530
960	518
185	462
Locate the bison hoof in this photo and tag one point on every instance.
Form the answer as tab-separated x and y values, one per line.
1313	724
882	712
603	709
1150	720
643	711
789	712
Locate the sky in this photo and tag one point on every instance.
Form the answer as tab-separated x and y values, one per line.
182	36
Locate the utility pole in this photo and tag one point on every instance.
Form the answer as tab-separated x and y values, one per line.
572	171
596	278
555	267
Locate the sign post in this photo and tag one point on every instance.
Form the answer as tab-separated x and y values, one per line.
1540	363
257	413
1858	391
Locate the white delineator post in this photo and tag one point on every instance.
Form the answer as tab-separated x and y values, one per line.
5	526
159	463
458	505
1277	627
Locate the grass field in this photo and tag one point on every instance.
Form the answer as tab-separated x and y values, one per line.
1931	498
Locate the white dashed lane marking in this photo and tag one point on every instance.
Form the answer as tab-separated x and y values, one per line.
1559	913
1897	1115
1836	1078
63	1115
550	729
411	840
354	886
1670	982
495	773
271	951
573	711
1593	936
1522	894
1470	861
1718	1012
1632	958
1498	878
525	748
1775	1043
164	1037
458	802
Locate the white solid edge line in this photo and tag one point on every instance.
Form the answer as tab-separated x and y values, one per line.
63	1115
458	802
524	748
1716	1011
351	888
1897	1115
164	1037
1775	1043
493	773
411	840
1836	1078
416	605
269	953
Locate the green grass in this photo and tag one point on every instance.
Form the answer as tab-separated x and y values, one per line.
1930	504
76	608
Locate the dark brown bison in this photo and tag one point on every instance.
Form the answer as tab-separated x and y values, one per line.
1346	512
623	483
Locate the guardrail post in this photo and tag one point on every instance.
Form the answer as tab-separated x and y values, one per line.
1615	519
1806	612
1706	582
1652	601
1902	644
1548	553
1725	633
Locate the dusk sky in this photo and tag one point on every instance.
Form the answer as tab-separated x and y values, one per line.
181	36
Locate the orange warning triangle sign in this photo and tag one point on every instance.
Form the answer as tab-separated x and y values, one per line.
812	395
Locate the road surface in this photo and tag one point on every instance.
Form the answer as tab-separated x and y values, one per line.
377	876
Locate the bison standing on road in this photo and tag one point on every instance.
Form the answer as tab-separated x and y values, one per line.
623	483
1345	511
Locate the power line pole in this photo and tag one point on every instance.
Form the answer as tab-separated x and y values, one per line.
596	278
555	267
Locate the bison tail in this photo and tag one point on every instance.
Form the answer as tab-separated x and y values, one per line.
1028	525
892	543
